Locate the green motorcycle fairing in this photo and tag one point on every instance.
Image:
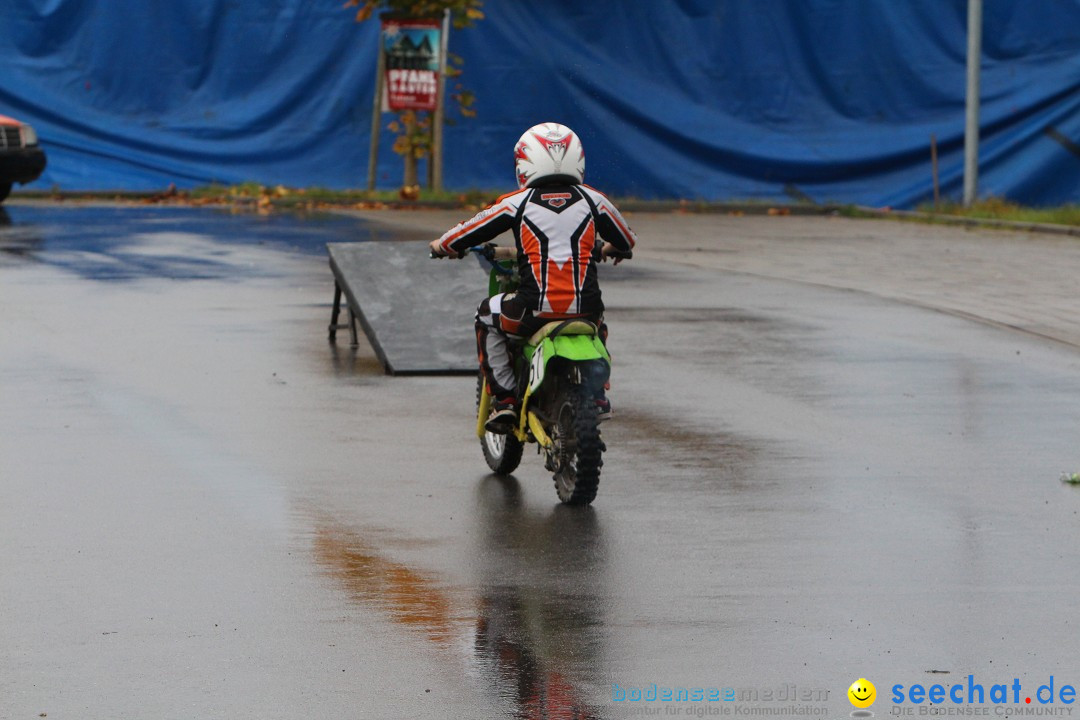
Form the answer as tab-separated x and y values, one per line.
572	347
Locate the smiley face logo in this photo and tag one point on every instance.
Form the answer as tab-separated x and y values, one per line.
862	693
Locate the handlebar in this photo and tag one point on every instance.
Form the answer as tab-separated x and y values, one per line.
492	252
489	251
491	255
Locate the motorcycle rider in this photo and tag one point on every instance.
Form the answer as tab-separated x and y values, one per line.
555	219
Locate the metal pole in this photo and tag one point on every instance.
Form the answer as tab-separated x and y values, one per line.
971	129
440	109
376	114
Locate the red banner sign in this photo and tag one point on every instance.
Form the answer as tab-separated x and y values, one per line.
411	55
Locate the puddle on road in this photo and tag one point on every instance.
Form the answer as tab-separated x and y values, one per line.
672	315
513	635
680	446
109	243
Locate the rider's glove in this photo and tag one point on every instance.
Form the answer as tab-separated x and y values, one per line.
437	251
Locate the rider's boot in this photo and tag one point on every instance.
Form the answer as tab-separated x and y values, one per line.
504	417
603	407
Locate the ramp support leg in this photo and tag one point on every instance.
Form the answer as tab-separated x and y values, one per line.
334	327
336	313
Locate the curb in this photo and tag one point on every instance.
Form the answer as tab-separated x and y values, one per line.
935	218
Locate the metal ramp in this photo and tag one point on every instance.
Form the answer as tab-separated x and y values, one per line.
417	313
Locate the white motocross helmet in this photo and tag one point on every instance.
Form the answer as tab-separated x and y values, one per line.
549	152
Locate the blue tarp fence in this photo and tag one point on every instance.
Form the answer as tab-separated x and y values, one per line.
835	100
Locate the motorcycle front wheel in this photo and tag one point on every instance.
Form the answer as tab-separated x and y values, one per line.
501	452
578	449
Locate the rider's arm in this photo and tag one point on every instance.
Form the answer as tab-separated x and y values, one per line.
483	227
611	224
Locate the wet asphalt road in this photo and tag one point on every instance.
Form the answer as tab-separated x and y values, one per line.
207	511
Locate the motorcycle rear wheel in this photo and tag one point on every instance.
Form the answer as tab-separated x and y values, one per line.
578	448
501	452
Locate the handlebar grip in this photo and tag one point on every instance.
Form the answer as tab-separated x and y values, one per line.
613	252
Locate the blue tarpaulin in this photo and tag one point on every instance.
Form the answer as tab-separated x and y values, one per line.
835	100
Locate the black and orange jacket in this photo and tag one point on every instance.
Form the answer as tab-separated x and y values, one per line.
555	228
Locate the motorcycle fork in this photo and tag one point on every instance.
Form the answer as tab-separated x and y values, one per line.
527	419
483	410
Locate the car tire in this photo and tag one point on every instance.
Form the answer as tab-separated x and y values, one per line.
5	190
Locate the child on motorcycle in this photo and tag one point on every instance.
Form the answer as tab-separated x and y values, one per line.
555	219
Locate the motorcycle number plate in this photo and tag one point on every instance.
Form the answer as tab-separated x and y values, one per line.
536	367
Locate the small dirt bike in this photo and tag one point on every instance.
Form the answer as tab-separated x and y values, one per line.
560	369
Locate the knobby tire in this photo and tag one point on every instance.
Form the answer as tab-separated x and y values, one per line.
580	448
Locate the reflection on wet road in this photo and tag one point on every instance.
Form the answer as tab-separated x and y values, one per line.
410	597
542	598
804	486
529	626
